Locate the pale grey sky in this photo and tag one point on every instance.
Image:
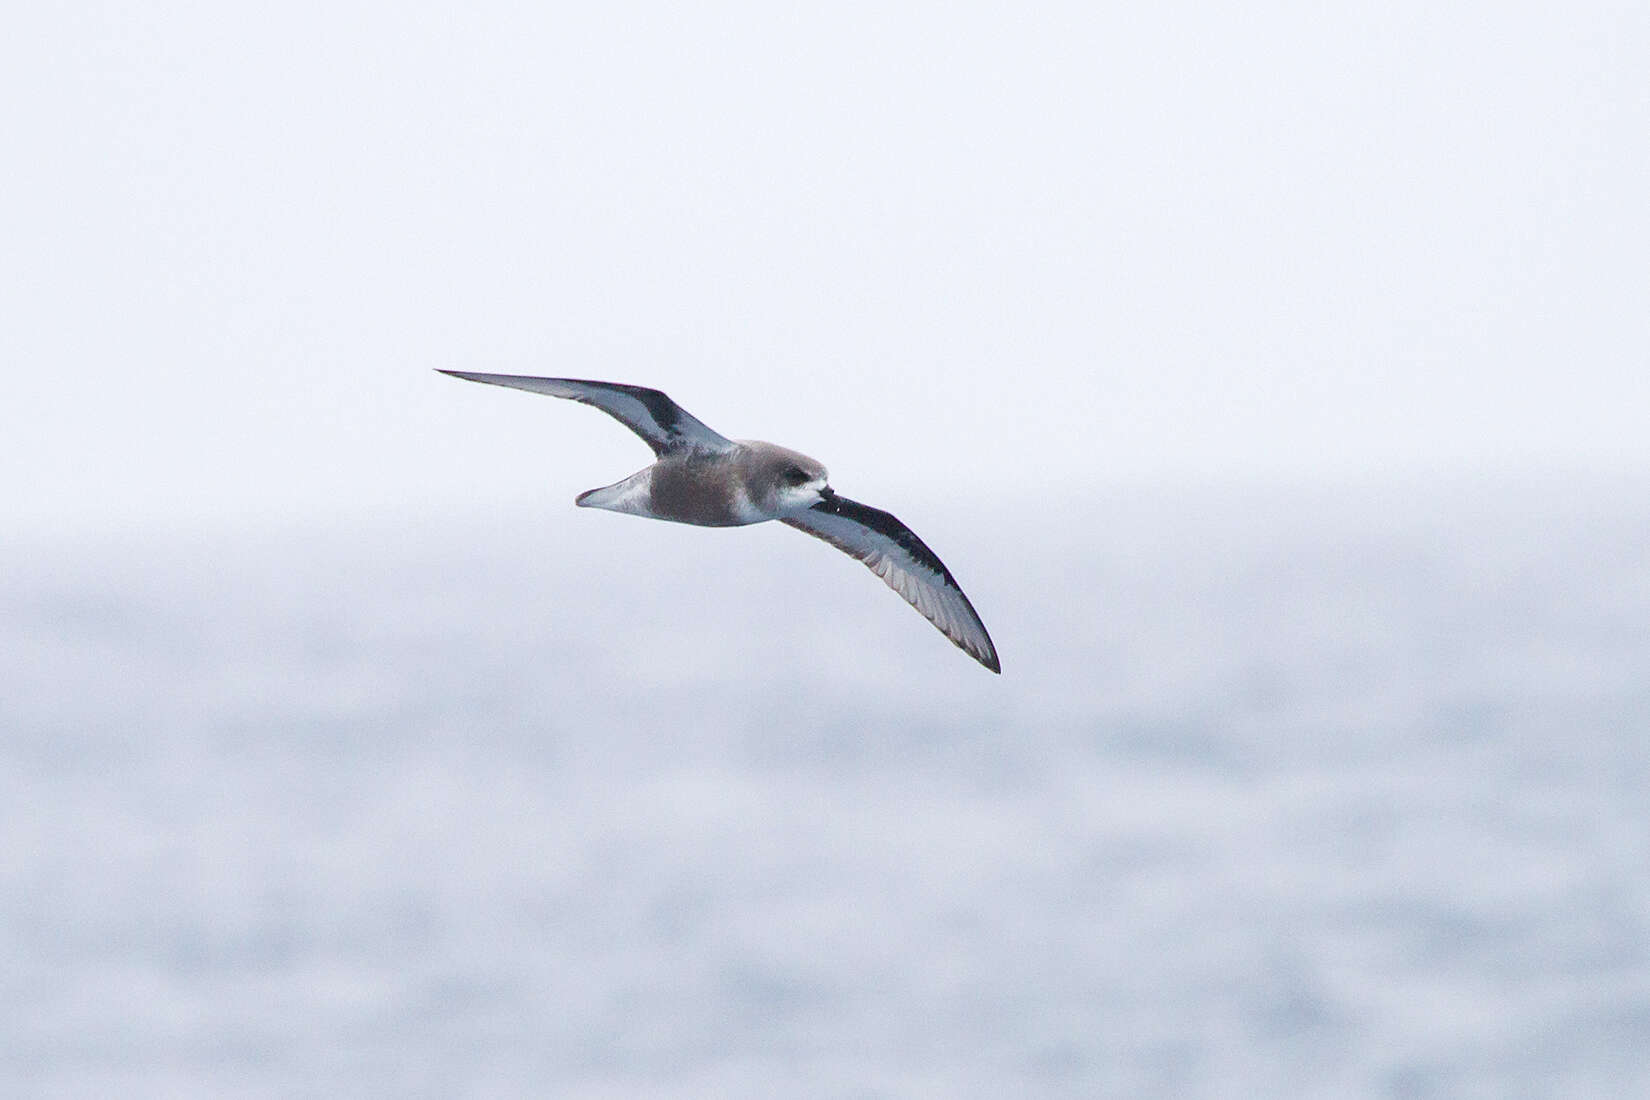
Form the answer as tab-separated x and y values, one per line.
937	247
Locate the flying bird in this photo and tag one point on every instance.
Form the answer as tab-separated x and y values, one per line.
705	479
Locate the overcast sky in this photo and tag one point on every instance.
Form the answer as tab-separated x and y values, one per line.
937	247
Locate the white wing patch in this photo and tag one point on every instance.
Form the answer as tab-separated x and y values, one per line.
893	552
661	422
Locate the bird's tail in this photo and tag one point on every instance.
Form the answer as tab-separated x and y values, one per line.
629	495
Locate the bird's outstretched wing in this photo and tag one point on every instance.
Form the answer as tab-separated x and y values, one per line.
893	552
661	422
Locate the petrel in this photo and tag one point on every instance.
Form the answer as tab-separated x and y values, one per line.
705	479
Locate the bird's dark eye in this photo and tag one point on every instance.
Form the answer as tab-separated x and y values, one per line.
796	475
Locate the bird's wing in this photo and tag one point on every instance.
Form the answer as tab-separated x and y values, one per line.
893	552
661	422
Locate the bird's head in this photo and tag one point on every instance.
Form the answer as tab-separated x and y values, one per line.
794	480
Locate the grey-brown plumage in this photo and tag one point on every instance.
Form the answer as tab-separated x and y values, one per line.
708	480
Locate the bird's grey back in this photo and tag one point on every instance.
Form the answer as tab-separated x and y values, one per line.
708	490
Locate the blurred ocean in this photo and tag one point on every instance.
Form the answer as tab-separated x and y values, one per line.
1282	793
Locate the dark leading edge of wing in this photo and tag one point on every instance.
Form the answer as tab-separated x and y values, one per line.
662	423
893	552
